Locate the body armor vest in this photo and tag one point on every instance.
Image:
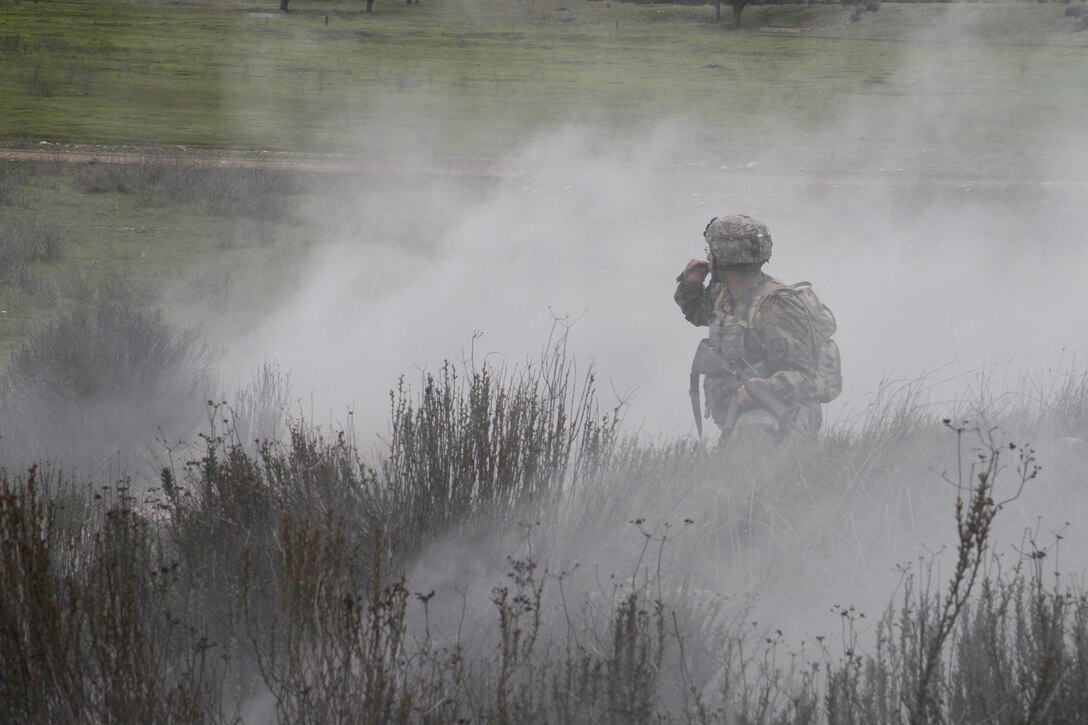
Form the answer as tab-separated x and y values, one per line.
726	333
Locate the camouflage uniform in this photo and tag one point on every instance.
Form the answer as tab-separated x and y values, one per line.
775	335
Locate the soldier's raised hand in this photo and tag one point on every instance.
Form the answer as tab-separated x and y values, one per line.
696	271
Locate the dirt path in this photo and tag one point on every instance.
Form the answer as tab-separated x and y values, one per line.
275	160
482	168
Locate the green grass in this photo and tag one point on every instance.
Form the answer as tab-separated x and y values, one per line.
194	248
477	80
465	79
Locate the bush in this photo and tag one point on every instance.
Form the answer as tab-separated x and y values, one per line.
335	650
297	561
13	176
115	348
107	177
228	508
498	443
100	377
254	193
25	240
89	632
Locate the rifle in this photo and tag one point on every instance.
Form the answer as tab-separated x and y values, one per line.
708	361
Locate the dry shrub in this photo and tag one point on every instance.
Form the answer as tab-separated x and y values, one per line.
282	556
155	178
99	379
13	176
90	630
334	651
27	240
497	444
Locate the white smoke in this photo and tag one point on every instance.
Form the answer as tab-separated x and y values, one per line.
942	278
948	254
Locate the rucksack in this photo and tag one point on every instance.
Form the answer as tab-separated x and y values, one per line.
828	360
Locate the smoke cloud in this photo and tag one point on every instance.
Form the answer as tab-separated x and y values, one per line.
950	248
943	278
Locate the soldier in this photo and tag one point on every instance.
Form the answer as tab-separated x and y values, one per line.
763	328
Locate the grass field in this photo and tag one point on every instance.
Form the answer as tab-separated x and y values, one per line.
154	243
474	81
473	78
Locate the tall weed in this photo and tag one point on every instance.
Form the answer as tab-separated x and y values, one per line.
497	444
91	631
288	565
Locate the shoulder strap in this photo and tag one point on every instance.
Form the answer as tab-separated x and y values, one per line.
770	286
766	288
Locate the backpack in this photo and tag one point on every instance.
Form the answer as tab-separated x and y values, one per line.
828	360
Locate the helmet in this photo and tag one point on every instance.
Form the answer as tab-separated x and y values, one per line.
738	239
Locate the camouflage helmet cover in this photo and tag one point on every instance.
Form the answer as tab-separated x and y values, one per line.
738	239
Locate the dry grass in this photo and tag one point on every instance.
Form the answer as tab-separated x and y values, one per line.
281	567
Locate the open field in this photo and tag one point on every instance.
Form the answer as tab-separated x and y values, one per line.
467	79
116	226
913	89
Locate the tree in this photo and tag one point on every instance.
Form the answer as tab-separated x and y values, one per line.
738	8
860	6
